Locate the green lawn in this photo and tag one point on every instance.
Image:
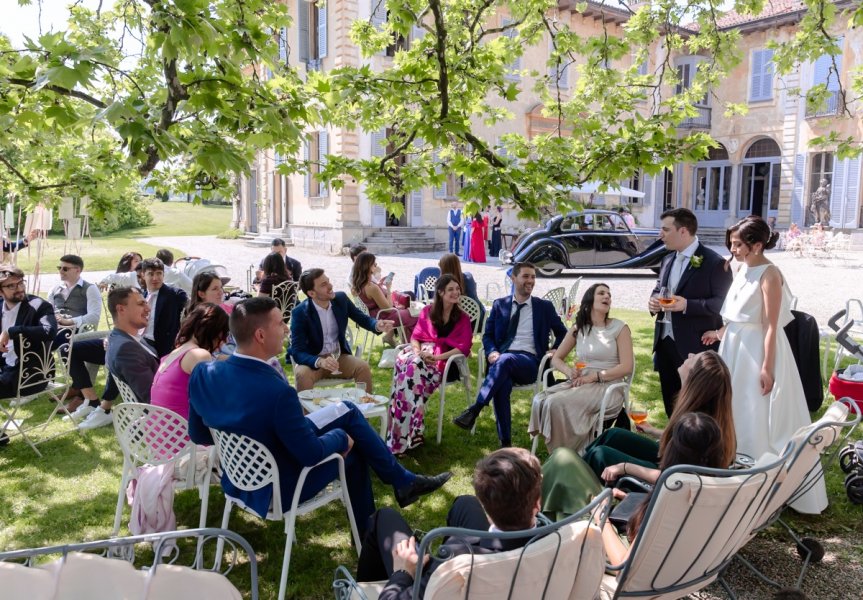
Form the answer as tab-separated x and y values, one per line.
69	494
103	252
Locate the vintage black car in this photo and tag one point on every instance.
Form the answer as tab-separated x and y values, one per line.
589	239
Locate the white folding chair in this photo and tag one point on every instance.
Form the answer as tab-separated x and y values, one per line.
151	436
250	466
625	384
126	392
426	289
557	296
37	375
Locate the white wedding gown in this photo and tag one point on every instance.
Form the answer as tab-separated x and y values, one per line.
763	423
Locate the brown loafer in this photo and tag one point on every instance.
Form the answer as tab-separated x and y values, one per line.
74	403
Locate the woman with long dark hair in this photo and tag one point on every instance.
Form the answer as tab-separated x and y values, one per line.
565	415
769	402
207	287
127	274
706	389
201	334
375	295
275	272
442	331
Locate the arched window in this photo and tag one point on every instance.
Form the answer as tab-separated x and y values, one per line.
763	148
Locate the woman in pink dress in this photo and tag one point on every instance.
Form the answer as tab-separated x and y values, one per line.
376	296
202	332
443	330
477	240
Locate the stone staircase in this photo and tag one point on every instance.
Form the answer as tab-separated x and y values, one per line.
265	238
402	240
712	236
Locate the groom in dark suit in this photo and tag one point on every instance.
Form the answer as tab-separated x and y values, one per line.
698	280
516	338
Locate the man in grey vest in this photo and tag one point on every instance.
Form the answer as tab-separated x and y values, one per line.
77	303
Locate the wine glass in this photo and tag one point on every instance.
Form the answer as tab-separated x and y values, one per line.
580	365
336	354
666	298
638	414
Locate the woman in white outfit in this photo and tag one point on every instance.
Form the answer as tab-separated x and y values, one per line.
768	402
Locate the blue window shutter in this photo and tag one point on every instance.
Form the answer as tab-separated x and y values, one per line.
283	45
323	149
440	190
647	187
642	68
303	29
561	80
417	32
379	17
837	191
307	177
761	76
767	74
852	194
417	208
322	30
378	140
797	204
516	64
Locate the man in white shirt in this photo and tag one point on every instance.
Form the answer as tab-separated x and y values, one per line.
455	223
173	276
76	302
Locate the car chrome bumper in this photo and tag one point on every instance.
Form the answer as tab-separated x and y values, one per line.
505	257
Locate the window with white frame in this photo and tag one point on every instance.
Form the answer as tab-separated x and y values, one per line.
312	18
687	67
315	151
761	75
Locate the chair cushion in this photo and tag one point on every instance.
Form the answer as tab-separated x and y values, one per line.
171	582
91	577
372	589
18	581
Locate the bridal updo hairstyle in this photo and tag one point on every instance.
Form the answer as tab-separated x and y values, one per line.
753	230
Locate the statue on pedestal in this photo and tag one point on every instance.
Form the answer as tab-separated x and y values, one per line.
819	204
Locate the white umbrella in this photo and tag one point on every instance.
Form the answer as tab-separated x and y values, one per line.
590	187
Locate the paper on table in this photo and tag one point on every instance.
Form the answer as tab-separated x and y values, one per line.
323	417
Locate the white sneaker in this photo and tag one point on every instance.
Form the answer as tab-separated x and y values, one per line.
23	401
80	413
96	419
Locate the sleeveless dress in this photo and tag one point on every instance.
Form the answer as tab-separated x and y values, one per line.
763	423
171	387
566	415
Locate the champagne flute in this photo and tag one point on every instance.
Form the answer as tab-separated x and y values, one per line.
335	354
580	365
666	298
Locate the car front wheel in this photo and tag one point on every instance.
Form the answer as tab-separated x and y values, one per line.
549	271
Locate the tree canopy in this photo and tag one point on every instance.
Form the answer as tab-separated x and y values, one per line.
184	92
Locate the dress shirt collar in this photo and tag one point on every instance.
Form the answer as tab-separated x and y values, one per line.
247	357
689	251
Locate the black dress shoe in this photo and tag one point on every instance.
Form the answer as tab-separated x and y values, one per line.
466	419
422	485
506	443
4	439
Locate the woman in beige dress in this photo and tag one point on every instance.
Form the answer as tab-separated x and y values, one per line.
565	415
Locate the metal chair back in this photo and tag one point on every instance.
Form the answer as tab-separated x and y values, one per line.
472	309
557	296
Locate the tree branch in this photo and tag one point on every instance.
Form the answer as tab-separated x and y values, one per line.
30	83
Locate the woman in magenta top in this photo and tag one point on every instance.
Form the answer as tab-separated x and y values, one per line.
202	332
443	330
375	295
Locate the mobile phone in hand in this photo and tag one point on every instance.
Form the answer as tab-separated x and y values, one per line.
389	278
419	534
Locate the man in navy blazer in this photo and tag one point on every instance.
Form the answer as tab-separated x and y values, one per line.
516	337
318	326
248	394
166	306
698	280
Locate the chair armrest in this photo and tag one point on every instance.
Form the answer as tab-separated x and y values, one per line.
542	368
639	483
393	309
301	481
545	375
454	359
345	586
607	396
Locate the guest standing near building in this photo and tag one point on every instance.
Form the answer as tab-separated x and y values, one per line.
455	224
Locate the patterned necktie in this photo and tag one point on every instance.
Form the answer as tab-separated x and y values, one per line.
513	327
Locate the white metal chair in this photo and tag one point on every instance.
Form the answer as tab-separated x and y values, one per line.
111	569
561	560
285	296
38	368
696	521
557	296
625	384
126	392
152	436
571	305
250	466
426	289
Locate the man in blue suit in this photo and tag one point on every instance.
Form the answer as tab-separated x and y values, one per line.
698	279
248	394
318	326
516	337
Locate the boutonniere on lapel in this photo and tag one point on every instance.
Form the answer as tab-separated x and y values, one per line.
695	261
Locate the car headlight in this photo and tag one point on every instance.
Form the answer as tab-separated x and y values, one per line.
505	257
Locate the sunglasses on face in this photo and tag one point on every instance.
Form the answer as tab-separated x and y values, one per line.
64	269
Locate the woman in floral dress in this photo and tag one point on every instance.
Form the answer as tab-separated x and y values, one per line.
443	330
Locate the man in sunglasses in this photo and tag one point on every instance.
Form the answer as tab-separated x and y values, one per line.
21	314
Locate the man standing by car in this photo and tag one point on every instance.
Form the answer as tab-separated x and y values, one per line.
697	280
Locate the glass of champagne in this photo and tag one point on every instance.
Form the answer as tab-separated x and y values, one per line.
666	298
580	365
638	414
335	354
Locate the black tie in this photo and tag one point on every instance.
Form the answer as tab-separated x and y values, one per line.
513	327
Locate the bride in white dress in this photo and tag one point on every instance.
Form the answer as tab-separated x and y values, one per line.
768	402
